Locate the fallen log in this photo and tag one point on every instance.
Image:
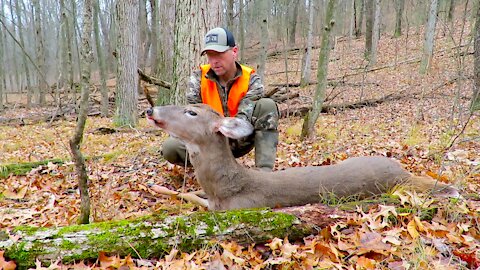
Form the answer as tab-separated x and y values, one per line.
156	235
326	108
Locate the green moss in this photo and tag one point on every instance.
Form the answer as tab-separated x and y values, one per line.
29	230
24	168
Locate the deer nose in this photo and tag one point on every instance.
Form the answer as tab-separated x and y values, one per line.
149	111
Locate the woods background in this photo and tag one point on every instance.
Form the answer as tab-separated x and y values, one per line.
40	40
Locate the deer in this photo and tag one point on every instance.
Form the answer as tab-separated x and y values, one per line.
229	185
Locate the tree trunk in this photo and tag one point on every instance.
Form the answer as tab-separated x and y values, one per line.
359	6
375	33
3	84
429	37
322	72
307	69
154	34
15	80
264	7
25	62
40	50
293	23
369	21
70	37
230	15
101	59
451	10
192	20
475	103
399	8
76	140
142	22
126	99
155	236
241	28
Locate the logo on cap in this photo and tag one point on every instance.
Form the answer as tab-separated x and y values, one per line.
212	38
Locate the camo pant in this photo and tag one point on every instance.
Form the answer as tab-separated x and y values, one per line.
265	117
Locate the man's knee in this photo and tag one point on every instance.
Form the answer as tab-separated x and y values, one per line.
266	114
174	151
265	106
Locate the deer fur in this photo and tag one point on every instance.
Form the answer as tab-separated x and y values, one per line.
228	185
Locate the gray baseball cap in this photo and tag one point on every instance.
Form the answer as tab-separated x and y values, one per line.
218	39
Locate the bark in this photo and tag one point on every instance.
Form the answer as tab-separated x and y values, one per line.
40	50
475	103
76	140
429	37
359	6
451	10
3	83
264	7
293	22
154	34
142	22
399	8
155	236
369	21
307	69
322	72
241	29
15	80
126	99
230	15
21	40
192	20
375	33
101	59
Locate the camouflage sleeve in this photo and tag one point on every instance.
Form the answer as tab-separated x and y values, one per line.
193	92
255	92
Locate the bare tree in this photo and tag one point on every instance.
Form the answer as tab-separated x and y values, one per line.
322	72
126	99
429	37
475	103
358	11
192	21
2	64
307	57
76	140
101	58
264	8
230	15
399	8
369	20
25	62
40	51
375	33
241	28
292	28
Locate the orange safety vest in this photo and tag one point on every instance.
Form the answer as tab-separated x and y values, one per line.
210	96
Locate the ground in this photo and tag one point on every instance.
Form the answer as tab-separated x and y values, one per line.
430	131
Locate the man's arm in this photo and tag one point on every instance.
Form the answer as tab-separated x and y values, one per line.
193	92
255	92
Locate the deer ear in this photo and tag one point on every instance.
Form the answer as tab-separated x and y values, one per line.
234	128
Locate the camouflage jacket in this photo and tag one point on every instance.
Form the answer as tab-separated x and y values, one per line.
247	104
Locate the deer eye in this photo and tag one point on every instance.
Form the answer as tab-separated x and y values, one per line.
191	113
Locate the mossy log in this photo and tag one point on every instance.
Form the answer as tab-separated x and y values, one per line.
25	167
154	236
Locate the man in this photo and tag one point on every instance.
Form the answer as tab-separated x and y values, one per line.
233	90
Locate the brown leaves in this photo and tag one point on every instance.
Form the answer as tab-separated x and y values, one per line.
6	265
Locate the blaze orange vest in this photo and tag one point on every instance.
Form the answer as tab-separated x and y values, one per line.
210	95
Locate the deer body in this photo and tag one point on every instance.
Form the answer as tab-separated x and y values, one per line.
228	185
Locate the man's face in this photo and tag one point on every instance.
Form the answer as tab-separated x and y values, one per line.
222	62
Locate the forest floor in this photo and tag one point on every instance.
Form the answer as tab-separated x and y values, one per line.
429	130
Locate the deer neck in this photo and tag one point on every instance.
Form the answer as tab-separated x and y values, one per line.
214	164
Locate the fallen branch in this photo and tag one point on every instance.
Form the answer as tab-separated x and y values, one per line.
153	80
